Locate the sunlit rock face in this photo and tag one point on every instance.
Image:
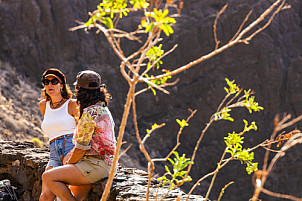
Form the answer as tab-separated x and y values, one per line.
34	35
23	164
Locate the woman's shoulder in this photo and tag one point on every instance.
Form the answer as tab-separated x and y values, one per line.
73	108
96	108
73	102
42	106
42	102
90	108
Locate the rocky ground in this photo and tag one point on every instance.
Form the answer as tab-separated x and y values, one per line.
23	165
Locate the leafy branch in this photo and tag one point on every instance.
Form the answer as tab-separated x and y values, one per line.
179	164
158	17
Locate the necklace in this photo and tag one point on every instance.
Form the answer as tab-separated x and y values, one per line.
57	104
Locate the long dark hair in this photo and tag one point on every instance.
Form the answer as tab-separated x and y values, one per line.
88	97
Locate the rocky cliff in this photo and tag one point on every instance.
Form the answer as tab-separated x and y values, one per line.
34	35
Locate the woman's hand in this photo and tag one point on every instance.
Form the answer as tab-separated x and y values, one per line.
75	156
67	157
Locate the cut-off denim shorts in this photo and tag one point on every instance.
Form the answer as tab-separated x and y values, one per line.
56	151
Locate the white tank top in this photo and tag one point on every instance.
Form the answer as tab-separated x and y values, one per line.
58	121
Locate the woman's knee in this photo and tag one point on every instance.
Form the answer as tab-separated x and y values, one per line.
46	177
47	196
45	174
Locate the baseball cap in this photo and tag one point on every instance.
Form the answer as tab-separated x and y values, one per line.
88	79
56	73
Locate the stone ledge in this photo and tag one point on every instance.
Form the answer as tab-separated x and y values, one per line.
23	165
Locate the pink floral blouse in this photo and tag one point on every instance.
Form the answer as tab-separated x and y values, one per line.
95	133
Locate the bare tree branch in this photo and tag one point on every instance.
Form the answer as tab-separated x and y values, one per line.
278	195
237	40
215	26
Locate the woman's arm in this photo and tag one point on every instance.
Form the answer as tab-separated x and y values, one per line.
82	138
76	155
42	106
73	109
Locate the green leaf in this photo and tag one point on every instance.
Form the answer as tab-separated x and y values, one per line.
165	29
154	92
167	169
249	127
223	114
182	123
149	27
170	30
176	154
108	22
251	105
179	164
252	168
171	161
165	13
89	22
172	185
161	20
233	88
161	178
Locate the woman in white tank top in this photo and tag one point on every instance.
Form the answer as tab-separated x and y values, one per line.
60	116
94	141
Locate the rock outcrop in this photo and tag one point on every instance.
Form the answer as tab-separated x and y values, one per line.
23	165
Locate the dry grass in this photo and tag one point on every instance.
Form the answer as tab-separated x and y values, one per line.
20	118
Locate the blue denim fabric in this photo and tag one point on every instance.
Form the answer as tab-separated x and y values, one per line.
56	150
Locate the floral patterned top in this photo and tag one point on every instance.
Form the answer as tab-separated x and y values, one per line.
95	133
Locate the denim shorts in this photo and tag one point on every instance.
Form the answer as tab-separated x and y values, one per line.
56	151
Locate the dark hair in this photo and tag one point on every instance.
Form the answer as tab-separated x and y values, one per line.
65	92
88	97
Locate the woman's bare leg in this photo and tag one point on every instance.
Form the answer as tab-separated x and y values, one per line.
80	192
57	178
46	194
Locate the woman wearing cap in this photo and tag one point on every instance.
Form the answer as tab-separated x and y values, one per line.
94	141
60	115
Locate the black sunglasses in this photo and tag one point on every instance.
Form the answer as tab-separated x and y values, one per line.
54	81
